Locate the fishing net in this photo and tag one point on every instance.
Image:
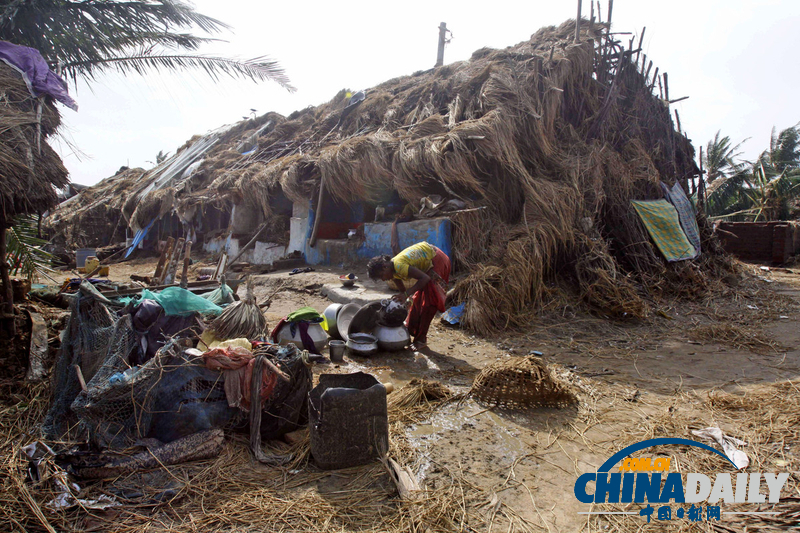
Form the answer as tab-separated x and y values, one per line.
520	382
91	336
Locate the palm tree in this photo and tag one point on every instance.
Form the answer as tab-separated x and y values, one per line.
81	39
720	158
762	190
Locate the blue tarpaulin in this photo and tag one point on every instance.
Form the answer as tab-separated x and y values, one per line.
138	238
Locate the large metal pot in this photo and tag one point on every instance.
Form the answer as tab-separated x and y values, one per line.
362	344
391	339
315	331
330	314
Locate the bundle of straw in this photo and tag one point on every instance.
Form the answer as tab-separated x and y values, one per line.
242	319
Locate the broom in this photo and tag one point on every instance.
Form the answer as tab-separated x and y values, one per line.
242	319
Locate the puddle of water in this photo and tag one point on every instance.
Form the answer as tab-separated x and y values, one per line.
501	434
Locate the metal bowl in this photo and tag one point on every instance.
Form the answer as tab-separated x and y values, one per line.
362	344
330	314
345	316
348	282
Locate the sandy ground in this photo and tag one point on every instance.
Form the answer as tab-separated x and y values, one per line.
630	376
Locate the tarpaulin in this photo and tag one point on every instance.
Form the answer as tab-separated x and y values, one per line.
36	73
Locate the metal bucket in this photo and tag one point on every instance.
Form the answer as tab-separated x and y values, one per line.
337	350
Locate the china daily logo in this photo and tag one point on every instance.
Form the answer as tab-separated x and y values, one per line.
648	480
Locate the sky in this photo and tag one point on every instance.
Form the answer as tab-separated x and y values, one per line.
736	60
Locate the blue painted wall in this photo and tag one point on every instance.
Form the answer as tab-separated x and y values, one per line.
378	239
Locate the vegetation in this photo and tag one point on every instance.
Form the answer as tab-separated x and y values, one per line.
761	190
81	39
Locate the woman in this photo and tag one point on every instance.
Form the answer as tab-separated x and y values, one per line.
431	268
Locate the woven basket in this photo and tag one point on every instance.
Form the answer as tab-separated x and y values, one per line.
519	383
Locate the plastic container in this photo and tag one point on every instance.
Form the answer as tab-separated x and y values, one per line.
348	420
81	254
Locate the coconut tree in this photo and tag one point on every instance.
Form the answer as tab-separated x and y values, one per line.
720	158
762	190
84	38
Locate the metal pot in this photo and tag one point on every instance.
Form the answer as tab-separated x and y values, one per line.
315	331
392	339
330	314
362	344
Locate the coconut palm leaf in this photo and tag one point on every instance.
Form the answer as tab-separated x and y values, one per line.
88	36
720	158
24	253
260	68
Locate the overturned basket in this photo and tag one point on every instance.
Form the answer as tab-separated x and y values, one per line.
519	383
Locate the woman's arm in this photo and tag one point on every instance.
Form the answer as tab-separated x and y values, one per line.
421	277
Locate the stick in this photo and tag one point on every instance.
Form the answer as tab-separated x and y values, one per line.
641	38
578	23
678	119
79	374
666	87
173	263
187	258
166	252
248	245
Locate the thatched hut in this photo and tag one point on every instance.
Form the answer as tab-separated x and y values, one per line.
31	170
546	143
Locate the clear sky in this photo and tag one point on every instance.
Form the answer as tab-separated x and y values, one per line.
737	61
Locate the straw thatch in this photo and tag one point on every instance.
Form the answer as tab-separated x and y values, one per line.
552	137
31	170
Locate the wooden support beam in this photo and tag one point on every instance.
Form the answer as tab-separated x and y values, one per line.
666	86
641	38
187	258
162	260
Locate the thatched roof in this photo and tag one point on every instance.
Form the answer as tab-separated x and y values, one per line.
30	169
553	137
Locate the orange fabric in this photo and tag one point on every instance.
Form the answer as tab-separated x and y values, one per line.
237	365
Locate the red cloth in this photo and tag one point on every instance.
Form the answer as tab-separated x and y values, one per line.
237	364
430	298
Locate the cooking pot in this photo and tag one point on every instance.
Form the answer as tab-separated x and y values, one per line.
391	339
330	314
362	344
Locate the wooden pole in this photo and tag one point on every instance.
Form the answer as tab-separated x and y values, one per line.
246	246
666	87
187	258
440	51
172	266
317	214
678	120
641	38
578	24
591	17
158	275
610	10
7	309
701	187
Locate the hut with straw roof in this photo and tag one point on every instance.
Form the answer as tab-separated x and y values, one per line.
542	146
31	170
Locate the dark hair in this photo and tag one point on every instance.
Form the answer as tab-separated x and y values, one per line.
377	264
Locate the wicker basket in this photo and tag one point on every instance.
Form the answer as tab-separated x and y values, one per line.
519	383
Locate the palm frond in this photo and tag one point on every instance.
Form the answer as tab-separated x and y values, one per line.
24	254
260	68
83	33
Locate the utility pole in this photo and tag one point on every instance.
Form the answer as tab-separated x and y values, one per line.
440	53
